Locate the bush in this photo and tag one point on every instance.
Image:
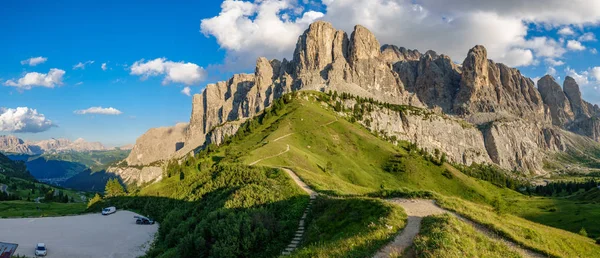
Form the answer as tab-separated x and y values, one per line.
583	232
447	174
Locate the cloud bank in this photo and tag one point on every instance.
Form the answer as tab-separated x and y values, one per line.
23	120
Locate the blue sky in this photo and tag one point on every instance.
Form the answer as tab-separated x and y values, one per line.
111	32
205	41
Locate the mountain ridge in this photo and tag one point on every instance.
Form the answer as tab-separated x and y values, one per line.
15	145
514	124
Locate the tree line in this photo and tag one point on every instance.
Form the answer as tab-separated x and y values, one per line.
565	187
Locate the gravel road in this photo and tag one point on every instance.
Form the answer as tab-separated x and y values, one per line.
83	236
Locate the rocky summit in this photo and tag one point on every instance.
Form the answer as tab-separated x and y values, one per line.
487	111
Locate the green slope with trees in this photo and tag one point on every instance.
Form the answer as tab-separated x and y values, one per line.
239	184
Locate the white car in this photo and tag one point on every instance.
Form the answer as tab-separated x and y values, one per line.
40	249
109	210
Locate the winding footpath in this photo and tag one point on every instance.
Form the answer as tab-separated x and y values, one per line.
416	209
300	232
281	153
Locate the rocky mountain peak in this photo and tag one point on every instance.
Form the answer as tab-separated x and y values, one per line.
392	54
314	50
557	101
475	68
578	105
363	45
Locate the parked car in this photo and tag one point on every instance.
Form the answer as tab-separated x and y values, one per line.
143	220
109	210
40	249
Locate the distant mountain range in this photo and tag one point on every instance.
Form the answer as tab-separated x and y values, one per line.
15	145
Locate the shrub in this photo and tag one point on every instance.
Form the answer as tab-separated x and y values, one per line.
583	232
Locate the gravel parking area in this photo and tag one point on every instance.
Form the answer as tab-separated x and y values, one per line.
83	236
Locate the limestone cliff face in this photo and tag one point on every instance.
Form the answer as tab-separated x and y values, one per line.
157	144
137	175
513	124
462	142
520	145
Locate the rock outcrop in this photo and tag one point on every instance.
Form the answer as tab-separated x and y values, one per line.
512	123
557	101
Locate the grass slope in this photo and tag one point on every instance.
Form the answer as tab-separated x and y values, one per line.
445	236
22	209
337	157
12	168
548	240
353	227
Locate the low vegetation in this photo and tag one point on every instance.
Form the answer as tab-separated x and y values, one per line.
544	239
445	236
24	209
228	210
352	227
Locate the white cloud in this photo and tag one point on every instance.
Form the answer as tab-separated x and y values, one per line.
595	71
588	36
553	62
566	31
551	71
23	120
98	111
575	45
52	78
33	61
446	26
81	65
176	72
104	67
248	30
594	51
187	91
79	83
544	47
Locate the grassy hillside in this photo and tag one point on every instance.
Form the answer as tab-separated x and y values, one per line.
548	240
352	227
12	168
64	165
445	236
338	157
229	210
334	156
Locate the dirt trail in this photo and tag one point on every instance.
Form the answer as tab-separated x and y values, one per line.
300	183
300	231
416	209
273	156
